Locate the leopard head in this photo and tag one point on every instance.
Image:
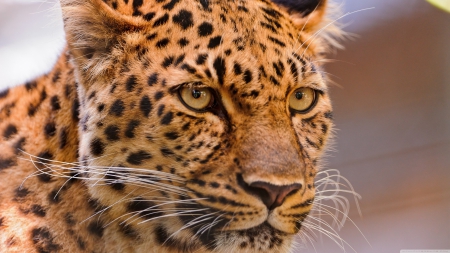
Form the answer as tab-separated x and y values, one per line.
202	122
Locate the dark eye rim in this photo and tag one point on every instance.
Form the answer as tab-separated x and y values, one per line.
206	109
313	104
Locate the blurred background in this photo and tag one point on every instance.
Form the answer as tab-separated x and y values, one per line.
392	109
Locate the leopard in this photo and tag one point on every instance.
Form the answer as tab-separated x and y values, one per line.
170	126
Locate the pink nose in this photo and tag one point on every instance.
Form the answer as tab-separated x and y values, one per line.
273	195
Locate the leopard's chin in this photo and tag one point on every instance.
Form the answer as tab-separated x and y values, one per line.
261	238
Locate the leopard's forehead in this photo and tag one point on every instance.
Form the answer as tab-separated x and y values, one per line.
249	51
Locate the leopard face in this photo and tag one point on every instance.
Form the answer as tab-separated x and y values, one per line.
202	123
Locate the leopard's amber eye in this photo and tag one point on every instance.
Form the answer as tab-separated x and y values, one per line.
197	98
302	100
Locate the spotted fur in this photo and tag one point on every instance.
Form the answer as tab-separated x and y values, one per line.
100	154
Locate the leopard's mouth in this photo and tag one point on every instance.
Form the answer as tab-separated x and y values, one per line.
264	235
262	228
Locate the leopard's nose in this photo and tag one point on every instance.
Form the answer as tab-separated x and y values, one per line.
273	195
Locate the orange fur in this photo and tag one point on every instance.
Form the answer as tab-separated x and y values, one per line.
101	155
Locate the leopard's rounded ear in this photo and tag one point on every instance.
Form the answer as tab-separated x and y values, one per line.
307	14
93	29
317	21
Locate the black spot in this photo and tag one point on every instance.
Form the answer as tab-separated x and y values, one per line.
271	12
29	86
294	70
248	76
149	16
53	196
95	204
201	58
167	61
20	193
32	109
137	3
183	19
69	219
311	143
50	129
242	8
38	210
145	105
44	158
56	76
117	108
179	59
328	115
54	101
131	83
205	29
269	27
128	231
167	118
160	110
131	127
81	244
183	42
18	146
112	133
63	138
153	79
163	236
10	130
274	81
97	147
276	41
186	126
162	43
172	135
161	21
75	110
198	182
92	95
277	69
67	91
188	68
214	185
324	128
208	73
237	69
169	6
100	107
214	42
143	208
219	66
152	36
138	157
113	181
166	151
159	95
43	240
96	228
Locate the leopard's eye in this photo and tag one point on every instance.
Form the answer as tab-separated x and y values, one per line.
302	100
196	98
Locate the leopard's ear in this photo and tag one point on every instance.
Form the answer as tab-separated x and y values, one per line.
308	14
93	30
316	19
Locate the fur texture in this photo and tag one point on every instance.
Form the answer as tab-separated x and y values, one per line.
103	155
